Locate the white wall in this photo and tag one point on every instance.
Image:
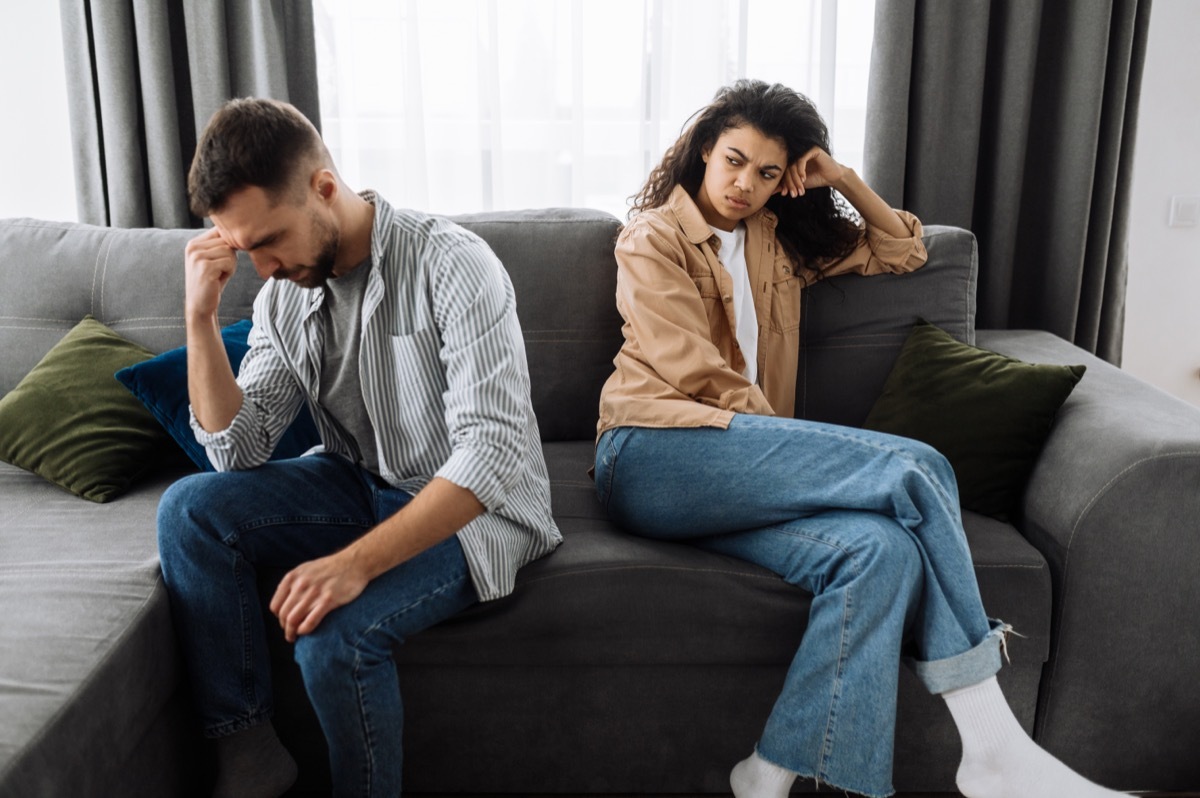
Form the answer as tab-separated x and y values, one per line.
1162	327
35	132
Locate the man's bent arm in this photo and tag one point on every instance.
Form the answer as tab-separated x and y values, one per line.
310	591
214	393
212	388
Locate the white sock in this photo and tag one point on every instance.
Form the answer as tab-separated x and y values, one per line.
755	777
999	758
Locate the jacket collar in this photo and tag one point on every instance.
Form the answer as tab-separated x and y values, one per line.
692	223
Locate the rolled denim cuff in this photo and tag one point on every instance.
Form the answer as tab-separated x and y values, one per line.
962	670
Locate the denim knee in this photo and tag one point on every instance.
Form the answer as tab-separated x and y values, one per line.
329	652
891	558
178	509
931	462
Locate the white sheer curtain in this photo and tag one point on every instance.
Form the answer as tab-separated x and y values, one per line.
455	106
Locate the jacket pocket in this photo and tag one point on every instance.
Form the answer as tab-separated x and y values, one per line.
785	304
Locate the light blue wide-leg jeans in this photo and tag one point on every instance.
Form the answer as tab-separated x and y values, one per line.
869	523
216	529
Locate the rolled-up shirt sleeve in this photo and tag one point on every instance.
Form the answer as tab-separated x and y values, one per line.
271	399
880	253
487	376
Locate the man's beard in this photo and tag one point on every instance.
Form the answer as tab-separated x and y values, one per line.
316	275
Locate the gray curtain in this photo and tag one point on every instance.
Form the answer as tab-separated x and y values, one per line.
1015	119
143	78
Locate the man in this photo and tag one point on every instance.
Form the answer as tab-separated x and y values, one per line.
399	331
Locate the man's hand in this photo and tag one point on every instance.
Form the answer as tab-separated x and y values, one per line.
209	262
312	590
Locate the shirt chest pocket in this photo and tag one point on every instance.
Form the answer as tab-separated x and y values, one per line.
706	284
710	295
419	373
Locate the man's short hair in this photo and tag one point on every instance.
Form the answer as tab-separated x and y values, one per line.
252	142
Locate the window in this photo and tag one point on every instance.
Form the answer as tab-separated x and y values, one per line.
456	106
35	140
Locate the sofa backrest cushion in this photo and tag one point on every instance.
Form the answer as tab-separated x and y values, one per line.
853	327
565	276
562	268
560	262
52	274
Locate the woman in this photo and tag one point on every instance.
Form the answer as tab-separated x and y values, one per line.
697	443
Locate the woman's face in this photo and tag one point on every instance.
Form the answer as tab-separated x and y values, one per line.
741	172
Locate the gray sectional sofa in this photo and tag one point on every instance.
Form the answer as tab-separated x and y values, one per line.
619	665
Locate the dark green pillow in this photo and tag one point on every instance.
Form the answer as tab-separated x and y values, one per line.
987	413
70	421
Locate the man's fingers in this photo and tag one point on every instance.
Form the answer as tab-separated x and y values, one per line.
313	618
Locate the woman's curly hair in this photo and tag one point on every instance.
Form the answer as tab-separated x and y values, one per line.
813	228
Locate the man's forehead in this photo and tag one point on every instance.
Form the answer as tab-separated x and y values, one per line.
247	217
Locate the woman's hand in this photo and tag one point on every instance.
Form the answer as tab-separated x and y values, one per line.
814	169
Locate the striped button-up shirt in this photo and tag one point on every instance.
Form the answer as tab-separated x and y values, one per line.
444	380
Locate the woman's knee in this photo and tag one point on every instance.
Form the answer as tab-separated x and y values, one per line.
931	462
889	556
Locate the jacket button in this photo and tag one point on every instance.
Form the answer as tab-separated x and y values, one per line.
727	298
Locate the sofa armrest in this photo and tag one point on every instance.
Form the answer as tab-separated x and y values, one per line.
1114	505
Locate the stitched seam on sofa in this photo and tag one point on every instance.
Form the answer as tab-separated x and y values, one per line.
38	318
96	272
972	292
875	345
1012	565
104	274
1118	477
600	569
123	326
596	217
854	336
1056	642
27	327
39	224
147	318
88	679
91	569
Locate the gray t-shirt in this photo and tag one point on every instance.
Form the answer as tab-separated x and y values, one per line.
341	390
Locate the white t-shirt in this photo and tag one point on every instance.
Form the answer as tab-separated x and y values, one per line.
733	258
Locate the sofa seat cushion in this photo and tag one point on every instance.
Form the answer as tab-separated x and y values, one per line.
87	658
609	598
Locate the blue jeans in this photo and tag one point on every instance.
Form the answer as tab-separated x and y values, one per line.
868	523
216	529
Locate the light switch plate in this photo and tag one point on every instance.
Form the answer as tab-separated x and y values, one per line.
1185	211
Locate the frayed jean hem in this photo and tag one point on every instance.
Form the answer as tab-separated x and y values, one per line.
818	779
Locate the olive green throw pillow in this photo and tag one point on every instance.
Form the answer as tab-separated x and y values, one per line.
72	423
987	413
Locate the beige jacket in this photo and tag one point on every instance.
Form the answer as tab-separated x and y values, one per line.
680	365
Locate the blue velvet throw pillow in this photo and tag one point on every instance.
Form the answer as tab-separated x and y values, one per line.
161	385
